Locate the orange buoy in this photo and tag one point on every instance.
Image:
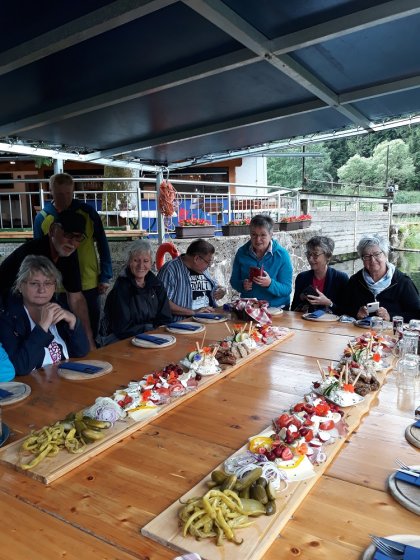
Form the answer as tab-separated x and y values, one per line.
161	252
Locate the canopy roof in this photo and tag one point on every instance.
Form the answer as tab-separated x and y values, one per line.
176	83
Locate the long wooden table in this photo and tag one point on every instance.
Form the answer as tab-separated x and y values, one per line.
97	510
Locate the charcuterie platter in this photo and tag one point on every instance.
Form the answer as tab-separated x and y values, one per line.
141	401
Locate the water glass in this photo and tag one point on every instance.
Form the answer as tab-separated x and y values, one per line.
398	325
410	343
376	324
408	372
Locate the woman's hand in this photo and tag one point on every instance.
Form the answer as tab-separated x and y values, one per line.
263	281
52	313
383	313
320	299
362	313
247	284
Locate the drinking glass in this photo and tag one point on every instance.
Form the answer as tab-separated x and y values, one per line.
376	324
408	372
410	343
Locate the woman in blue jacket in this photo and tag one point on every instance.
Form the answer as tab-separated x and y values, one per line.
35	330
273	279
321	287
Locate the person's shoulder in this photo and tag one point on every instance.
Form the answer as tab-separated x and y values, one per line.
279	249
338	274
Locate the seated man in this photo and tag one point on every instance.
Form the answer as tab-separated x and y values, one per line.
189	286
64	237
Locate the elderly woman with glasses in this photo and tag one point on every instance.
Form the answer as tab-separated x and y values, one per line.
34	329
380	281
138	300
262	268
321	286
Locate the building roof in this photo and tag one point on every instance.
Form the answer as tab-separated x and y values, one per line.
174	83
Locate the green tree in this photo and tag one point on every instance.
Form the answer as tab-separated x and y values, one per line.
357	170
392	161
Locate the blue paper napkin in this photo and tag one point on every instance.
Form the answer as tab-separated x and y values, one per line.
151	338
410	553
79	366
208	316
5	394
417	424
316	314
364	322
183	326
410	479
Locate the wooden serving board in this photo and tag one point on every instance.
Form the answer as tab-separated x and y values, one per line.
80	376
53	468
258	538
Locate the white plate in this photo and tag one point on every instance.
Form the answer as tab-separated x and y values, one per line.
361	399
326	318
205	320
19	392
413	540
146	344
275	310
200	328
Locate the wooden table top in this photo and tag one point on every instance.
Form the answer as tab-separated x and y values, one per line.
97	510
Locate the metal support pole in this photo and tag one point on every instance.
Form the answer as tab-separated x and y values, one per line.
58	166
160	223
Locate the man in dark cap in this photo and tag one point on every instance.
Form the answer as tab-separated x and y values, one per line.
64	237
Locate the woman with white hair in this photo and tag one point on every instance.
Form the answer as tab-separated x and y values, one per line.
380	281
34	329
138	301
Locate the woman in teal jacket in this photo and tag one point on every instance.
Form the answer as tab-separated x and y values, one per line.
7	371
273	281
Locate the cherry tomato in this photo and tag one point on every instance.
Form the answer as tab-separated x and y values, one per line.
286	454
327	425
299	407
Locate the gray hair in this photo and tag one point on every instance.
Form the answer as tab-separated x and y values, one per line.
261	220
36	263
326	244
139	246
370	241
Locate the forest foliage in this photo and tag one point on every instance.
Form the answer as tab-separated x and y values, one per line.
364	164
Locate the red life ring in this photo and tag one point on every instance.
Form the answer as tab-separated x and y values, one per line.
162	250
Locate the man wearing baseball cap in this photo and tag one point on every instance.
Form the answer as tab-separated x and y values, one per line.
60	245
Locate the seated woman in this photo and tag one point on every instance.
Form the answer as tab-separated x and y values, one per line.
380	281
138	300
262	268
35	330
322	286
7	371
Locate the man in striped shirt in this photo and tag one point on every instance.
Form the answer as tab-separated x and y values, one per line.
189	286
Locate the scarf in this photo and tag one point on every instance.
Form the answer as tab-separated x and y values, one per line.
382	284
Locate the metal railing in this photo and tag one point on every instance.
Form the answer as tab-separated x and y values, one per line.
137	207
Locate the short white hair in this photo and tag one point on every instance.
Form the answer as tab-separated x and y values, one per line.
371	241
139	246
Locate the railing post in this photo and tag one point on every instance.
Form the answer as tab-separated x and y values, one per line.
229	206
41	195
160	223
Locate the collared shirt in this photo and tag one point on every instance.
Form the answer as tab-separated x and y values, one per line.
253	254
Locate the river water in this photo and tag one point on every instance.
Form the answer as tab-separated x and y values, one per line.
407	262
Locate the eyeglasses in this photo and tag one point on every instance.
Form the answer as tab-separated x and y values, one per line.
314	255
78	237
38	285
375	256
208	263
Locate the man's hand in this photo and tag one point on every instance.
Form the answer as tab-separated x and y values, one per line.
219	293
103	287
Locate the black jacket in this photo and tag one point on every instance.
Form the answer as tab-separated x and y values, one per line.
335	284
130	310
400	298
26	348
